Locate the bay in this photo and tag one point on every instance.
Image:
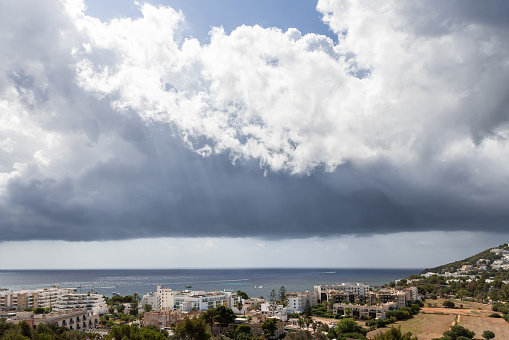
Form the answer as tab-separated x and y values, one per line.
255	282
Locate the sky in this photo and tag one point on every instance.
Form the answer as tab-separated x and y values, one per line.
202	134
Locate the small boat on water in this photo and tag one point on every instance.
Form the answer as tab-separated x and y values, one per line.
189	286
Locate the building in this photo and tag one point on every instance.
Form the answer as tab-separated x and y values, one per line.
165	299
338	296
401	297
360	289
38	298
162	319
198	300
368	312
297	301
150	299
93	303
80	320
253	303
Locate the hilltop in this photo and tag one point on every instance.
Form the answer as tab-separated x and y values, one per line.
486	260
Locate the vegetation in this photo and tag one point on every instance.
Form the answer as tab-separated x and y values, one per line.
193	329
135	333
457	333
23	331
283	299
242	294
448	304
305	335
394	334
347	328
269	327
488	334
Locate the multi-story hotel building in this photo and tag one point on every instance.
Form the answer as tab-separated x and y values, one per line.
24	299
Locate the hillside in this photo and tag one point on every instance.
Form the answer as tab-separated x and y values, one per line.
472	260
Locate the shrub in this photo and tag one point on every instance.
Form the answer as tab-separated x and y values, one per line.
448	304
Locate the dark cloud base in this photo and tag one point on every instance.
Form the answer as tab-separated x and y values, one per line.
177	193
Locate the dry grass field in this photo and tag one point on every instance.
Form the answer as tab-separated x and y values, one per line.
424	326
431	322
479	324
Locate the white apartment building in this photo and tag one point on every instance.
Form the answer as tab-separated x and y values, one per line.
297	301
36	298
165	299
187	301
94	303
359	288
378	312
150	299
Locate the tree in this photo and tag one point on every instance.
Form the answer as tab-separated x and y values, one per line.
208	316
147	307
457	332
308	322
307	309
272	302
300	322
242	294
488	335
134	304
269	327
120	308
394	334
246	329
26	330
282	296
348	311
462	293
15	337
192	329
224	316
448	304
348	326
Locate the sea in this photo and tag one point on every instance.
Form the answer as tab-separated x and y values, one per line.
255	282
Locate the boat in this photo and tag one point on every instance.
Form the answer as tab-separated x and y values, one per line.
189	286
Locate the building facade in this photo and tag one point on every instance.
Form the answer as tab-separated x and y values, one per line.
38	298
81	320
360	289
297	301
93	303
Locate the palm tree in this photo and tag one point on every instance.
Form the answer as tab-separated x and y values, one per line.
301	322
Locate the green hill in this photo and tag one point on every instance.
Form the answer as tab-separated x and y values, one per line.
454	266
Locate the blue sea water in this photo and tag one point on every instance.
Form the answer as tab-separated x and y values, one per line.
255	282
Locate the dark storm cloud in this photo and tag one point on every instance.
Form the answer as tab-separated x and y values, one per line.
74	166
174	192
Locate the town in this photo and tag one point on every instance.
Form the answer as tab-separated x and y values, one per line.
329	311
165	308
